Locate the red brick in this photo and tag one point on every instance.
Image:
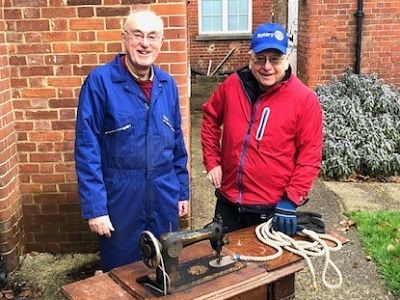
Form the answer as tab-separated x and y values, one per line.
112	11
12	14
49	236
65	81
18	60
83	70
68	156
59	25
60	103
49	208
61	125
83	2
44	157
68	187
45	136
86	24
179	68
63	70
31	210
64	92
175	34
140	2
87	47
61	48
109	35
38	93
46	198
26	147
30	3
32	13
89	59
175	57
85	12
87	36
36	48
30	188
114	47
46	188
33	25
169	9
19	82
59	37
113	23
40	115
69	135
54	12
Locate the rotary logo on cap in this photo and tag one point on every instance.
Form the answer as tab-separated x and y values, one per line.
279	35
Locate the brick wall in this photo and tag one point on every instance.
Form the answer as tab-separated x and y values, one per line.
53	44
202	51
10	199
327	37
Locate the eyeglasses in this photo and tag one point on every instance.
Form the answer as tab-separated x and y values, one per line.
274	60
139	36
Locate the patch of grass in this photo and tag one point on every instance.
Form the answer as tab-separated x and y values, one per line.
380	236
50	272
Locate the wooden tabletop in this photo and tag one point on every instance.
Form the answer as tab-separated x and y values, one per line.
121	281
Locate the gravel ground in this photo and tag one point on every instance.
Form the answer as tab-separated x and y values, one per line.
360	277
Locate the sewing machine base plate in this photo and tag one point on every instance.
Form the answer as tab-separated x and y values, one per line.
192	273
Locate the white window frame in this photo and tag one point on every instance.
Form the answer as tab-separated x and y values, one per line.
225	20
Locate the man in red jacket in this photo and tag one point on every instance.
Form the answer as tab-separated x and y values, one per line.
262	138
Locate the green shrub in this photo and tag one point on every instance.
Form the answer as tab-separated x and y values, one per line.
361	127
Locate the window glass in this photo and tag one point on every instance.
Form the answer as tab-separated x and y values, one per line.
225	16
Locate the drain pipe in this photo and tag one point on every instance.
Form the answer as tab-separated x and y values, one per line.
359	14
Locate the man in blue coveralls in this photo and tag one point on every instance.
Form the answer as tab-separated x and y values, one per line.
129	151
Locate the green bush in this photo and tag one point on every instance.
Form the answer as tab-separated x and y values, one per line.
361	127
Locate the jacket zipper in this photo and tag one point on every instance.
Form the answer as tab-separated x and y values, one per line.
119	129
245	145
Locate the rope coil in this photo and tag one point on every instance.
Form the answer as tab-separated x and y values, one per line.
306	249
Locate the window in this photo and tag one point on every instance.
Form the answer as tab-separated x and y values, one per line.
224	16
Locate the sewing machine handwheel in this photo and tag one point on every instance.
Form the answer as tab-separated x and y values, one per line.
149	249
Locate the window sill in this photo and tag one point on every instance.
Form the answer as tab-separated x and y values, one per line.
224	37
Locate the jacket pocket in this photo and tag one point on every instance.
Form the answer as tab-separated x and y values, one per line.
126	127
119	139
169	132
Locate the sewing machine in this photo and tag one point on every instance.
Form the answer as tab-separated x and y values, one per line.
163	254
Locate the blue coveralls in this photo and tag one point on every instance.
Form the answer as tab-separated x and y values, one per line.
130	158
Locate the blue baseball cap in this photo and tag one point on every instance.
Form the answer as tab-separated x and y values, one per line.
269	36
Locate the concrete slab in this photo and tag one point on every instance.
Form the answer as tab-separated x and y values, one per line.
366	196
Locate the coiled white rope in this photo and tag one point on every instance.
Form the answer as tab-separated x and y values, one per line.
306	249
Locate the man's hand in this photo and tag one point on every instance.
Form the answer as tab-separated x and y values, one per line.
101	225
285	219
183	207
215	176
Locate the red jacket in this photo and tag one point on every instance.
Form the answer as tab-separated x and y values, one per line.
268	149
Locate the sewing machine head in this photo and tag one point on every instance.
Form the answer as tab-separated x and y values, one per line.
163	254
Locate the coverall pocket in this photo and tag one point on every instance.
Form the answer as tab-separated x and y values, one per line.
119	139
169	132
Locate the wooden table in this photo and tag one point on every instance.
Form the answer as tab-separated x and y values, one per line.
273	280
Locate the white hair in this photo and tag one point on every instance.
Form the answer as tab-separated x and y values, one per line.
148	16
